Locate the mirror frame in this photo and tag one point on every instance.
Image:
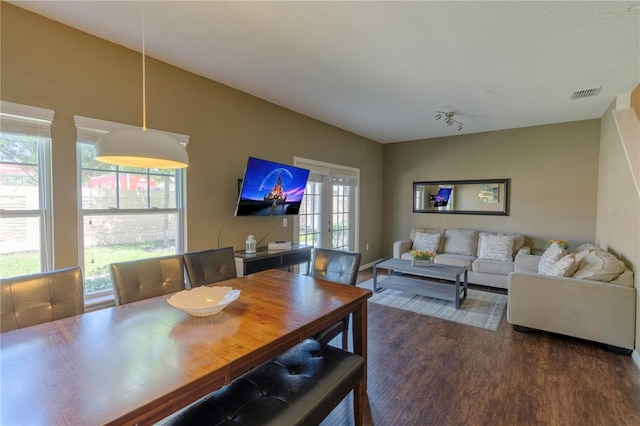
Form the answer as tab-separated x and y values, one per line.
503	212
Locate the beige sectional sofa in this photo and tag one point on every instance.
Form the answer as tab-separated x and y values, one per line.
488	256
599	307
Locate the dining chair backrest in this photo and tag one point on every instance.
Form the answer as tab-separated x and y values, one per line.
340	267
36	298
336	265
210	266
145	278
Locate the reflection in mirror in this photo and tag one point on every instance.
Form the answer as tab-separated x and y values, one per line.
485	196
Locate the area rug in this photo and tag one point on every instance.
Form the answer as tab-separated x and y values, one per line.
480	309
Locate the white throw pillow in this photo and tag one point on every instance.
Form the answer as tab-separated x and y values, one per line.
599	265
550	257
425	241
583	250
496	247
564	267
518	241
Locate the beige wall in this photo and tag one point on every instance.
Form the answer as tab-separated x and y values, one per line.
553	171
53	66
618	216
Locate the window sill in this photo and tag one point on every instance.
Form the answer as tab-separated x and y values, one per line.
95	303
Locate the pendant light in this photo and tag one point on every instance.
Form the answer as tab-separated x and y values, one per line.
141	147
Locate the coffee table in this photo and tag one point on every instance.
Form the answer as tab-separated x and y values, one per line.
420	286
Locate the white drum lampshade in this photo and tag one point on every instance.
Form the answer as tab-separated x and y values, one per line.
141	148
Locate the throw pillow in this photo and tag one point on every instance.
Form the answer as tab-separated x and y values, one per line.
496	247
599	265
518	241
583	250
564	267
550	257
424	241
461	241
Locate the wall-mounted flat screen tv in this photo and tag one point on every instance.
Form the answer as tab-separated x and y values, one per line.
271	189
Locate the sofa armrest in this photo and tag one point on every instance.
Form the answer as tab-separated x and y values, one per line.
401	246
527	263
524	250
591	310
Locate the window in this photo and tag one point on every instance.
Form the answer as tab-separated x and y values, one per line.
127	213
25	190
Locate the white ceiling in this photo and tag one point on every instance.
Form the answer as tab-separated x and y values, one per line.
383	69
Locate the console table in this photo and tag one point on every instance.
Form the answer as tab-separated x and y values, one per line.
263	258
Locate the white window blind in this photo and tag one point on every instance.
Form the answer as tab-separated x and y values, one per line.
25	119
90	129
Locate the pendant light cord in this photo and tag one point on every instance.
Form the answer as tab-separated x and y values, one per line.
144	82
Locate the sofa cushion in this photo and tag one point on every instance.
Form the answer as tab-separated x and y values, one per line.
550	257
493	267
461	241
583	250
495	247
599	265
426	241
454	260
565	267
518	241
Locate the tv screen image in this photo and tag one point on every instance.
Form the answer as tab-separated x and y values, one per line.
442	198
271	189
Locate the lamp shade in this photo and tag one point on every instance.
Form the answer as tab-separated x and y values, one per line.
141	148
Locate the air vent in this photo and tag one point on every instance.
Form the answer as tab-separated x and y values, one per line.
585	93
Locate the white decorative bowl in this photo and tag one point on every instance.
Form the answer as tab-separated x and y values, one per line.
204	301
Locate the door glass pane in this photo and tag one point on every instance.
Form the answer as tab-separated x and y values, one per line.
19	246
310	216
116	238
341	217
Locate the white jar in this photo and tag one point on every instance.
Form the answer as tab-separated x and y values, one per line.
251	244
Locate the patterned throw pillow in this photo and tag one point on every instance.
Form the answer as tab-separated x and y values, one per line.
518	241
550	257
564	267
425	241
496	247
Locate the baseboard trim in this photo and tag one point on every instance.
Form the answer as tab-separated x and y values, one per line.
635	356
369	265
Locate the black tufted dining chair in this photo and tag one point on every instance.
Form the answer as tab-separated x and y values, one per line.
210	266
340	267
145	278
28	300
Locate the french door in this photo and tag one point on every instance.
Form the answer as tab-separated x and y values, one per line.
328	214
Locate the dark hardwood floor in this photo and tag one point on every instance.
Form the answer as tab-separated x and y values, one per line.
428	371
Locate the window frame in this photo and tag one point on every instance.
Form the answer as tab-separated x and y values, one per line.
41	117
88	129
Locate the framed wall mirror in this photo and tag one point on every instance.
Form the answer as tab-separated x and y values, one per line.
482	196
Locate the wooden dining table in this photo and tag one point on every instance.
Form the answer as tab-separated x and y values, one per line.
140	362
